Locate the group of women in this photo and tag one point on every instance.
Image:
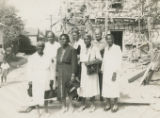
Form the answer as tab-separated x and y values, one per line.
67	62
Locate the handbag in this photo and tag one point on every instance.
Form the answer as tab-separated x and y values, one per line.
50	94
47	95
72	87
93	66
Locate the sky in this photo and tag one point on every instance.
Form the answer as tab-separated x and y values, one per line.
36	13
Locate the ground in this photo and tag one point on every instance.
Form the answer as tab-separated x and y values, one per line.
13	97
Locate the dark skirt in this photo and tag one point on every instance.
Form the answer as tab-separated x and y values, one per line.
79	71
64	76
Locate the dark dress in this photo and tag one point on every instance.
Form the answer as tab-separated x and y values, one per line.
66	65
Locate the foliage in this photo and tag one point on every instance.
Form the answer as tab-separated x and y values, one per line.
150	9
25	45
13	24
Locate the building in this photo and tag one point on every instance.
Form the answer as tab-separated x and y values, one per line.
120	17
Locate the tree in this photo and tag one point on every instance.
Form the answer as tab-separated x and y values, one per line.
150	9
13	24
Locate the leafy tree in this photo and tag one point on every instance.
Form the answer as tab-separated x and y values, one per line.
13	24
149	9
25	45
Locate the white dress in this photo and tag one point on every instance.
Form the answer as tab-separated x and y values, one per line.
111	63
5	67
89	85
51	52
80	42
38	72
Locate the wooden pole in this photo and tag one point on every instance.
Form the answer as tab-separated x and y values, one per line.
139	21
135	77
51	20
149	26
106	17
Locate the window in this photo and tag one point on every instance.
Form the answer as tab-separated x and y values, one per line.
100	21
117	4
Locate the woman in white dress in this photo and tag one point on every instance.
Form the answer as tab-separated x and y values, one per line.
50	50
38	72
110	66
89	84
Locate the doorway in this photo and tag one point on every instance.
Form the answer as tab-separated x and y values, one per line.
118	37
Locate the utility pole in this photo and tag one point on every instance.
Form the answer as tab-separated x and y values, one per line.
51	21
139	21
106	17
149	26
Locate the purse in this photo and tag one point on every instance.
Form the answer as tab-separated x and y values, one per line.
93	66
50	94
47	95
72	87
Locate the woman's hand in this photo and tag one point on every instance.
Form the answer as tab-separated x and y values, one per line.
72	77
52	60
30	85
114	76
51	84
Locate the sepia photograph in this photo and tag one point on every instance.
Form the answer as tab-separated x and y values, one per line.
79	58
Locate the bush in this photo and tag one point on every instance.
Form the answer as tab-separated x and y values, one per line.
25	45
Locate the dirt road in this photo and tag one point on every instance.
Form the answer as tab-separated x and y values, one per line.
13	96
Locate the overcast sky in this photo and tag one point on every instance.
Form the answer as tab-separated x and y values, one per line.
36	13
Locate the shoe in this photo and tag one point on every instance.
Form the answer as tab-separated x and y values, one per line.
114	108
92	108
82	108
29	109
107	107
71	109
46	115
64	109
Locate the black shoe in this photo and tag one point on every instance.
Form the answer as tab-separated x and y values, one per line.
29	109
107	107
